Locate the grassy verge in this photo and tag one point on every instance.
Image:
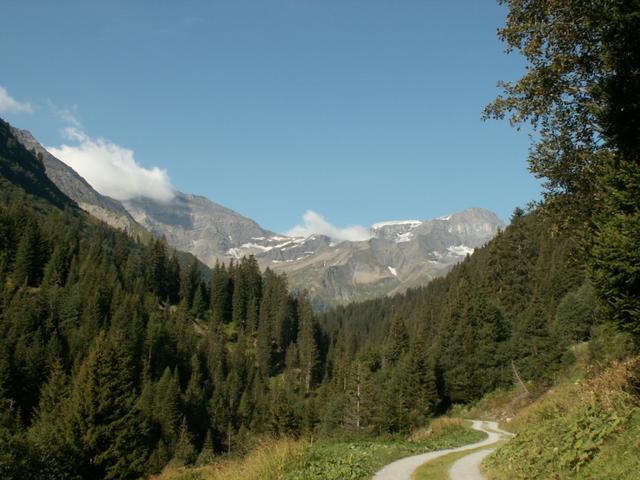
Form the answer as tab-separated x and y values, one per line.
353	460
584	429
268	461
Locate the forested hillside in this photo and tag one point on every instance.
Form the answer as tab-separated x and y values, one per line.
520	301
118	358
115	359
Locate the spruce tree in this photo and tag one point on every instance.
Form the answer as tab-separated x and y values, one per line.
48	433
397	342
307	344
184	451
195	400
220	295
103	421
189	279
207	454
173	279
31	256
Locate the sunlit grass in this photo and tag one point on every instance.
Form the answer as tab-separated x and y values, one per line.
579	429
269	461
287	459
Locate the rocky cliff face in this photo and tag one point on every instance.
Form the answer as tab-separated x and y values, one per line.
399	255
197	225
75	187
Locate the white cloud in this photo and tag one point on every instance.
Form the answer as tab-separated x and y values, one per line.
111	169
314	223
8	104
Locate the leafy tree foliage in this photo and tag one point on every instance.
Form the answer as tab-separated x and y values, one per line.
582	93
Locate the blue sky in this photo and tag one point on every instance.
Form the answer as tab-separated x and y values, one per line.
361	111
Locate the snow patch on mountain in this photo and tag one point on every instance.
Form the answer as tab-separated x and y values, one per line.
403	237
411	223
460	250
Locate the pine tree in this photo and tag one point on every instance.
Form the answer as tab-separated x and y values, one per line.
184	452
265	345
157	269
31	256
105	426
418	384
220	295
173	279
57	268
307	344
397	342
48	433
167	405
195	400
200	301
239	297
207	454
189	279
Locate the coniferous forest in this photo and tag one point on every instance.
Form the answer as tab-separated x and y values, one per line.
120	356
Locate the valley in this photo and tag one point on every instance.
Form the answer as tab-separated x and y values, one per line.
397	256
151	333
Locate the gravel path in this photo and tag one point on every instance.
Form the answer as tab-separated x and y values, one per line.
403	469
468	467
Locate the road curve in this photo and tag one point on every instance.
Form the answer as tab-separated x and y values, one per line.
403	469
468	467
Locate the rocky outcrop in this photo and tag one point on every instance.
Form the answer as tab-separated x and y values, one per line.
197	225
78	189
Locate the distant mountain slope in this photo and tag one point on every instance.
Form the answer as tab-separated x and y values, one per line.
196	224
23	175
77	188
399	255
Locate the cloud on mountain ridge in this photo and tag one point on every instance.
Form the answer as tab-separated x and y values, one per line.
112	169
314	223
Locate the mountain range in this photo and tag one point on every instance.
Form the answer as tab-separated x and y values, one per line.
397	256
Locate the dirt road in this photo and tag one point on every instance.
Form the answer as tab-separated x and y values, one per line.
403	469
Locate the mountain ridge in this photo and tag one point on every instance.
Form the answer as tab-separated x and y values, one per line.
72	184
398	255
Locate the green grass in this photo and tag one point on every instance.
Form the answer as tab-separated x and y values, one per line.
581	430
324	460
619	456
360	460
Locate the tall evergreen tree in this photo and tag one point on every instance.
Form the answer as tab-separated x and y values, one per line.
189	280
308	344
31	256
220	295
104	423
